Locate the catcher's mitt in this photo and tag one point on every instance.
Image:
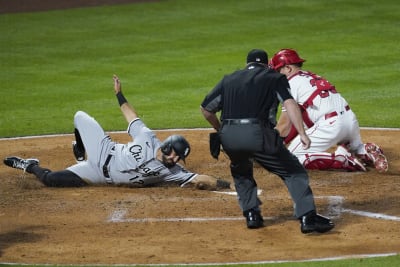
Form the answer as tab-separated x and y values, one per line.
215	144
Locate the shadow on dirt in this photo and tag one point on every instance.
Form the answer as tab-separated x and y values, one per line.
23	235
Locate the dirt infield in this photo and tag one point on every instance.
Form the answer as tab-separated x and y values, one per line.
118	225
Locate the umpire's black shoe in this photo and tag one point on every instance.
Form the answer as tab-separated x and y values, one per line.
78	153
313	222
254	219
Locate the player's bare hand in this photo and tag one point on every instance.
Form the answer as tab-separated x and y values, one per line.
305	140
117	84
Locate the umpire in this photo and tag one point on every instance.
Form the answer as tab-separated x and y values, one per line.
248	100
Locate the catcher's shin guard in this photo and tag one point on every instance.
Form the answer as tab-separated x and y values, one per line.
323	161
327	161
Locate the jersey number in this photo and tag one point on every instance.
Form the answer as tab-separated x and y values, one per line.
322	86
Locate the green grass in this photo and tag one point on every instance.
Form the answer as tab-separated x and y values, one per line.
387	261
169	54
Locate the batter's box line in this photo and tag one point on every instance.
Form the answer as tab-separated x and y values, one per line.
119	216
335	209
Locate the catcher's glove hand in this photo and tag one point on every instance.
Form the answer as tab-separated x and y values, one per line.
215	145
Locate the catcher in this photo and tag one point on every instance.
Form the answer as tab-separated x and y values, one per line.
145	161
329	119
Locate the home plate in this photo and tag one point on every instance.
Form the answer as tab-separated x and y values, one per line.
233	193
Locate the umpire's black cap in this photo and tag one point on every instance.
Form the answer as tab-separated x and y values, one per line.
258	56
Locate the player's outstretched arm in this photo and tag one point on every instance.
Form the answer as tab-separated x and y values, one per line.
207	182
127	110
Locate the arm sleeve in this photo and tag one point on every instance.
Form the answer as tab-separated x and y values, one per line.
180	175
283	89
212	102
136	127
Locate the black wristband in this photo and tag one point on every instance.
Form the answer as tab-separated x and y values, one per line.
121	98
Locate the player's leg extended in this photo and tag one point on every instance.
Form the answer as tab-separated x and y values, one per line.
90	132
288	168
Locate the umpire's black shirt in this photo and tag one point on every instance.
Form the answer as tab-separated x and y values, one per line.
252	92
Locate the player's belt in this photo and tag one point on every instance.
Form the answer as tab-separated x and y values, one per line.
334	114
105	166
241	121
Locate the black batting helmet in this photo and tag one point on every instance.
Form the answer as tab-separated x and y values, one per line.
178	143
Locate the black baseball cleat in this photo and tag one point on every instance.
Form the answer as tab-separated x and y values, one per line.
20	163
254	219
78	153
313	222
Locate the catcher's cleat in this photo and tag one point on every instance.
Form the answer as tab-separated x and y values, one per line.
254	219
78	153
381	163
351	163
354	164
19	163
313	222
376	157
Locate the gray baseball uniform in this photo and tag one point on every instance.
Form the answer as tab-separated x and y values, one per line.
134	163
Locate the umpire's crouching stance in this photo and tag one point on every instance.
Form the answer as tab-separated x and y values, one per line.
248	101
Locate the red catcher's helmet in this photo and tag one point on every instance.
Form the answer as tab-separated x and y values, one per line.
285	57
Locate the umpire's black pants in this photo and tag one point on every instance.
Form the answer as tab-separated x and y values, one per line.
282	163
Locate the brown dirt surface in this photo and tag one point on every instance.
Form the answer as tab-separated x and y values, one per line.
18	6
119	225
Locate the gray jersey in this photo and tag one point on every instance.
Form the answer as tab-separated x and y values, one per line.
134	163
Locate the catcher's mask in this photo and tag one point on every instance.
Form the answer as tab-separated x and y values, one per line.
177	143
285	57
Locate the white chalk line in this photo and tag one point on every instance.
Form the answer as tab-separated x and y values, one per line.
373	215
233	193
162	130
345	257
335	210
119	216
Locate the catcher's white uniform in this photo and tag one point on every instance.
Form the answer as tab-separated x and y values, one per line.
134	163
333	123
329	119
